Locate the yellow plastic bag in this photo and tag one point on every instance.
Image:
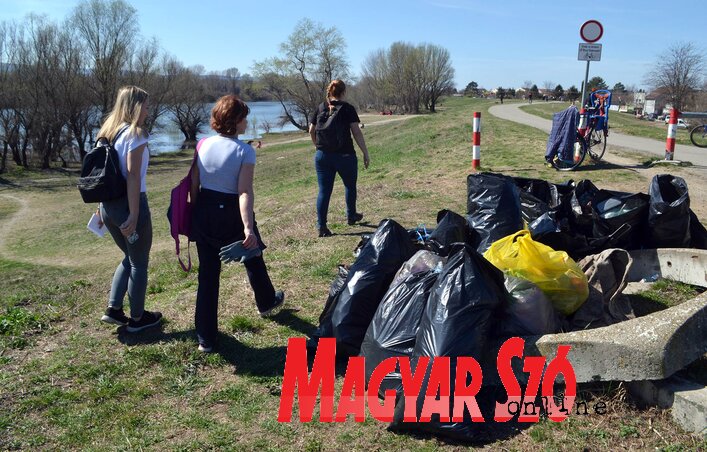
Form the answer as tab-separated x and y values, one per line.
554	272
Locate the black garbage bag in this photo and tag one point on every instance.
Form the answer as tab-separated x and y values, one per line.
326	328
393	330
456	322
527	312
669	213
615	212
544	224
451	228
493	207
368	280
578	208
538	197
698	233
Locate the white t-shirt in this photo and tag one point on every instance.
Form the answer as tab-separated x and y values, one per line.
220	160
128	142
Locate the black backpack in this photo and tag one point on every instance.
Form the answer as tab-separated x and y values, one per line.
330	132
101	179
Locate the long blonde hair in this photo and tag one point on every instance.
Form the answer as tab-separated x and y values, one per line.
127	109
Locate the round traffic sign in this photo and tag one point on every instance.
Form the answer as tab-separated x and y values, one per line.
591	31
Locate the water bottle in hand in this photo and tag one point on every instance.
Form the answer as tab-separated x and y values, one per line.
132	238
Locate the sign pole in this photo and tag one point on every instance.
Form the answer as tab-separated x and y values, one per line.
584	86
591	31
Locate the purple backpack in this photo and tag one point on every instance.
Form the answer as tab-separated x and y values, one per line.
179	211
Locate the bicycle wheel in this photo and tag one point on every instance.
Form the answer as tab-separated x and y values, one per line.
698	136
597	144
569	165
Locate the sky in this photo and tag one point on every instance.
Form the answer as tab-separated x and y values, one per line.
494	43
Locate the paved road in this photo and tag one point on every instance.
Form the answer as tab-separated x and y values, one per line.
698	156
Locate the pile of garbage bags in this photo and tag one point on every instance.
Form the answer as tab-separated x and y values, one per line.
529	258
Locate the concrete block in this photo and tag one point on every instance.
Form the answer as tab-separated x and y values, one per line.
652	347
687	265
687	399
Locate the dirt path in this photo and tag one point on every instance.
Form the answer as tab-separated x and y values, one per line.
9	223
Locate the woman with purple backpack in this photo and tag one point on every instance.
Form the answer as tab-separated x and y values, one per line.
222	190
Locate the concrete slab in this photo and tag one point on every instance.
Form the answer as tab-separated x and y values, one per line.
652	347
687	399
687	265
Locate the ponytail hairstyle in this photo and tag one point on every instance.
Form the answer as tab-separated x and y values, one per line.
335	89
128	105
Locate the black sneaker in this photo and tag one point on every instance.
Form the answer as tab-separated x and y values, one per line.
325	232
279	301
147	320
115	317
355	219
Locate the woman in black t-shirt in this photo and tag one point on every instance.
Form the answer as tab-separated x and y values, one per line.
331	128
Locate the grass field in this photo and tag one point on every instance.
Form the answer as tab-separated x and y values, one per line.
67	381
625	123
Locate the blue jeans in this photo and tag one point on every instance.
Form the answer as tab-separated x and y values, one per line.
328	164
131	275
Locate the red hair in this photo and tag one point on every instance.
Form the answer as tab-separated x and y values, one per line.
227	113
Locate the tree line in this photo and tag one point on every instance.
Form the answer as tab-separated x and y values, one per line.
406	78
59	79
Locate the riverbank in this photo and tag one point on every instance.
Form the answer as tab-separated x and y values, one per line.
67	381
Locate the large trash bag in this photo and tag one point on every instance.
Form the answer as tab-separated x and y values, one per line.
421	262
557	275
456	321
578	208
326	328
451	228
368	279
493	207
393	330
539	197
528	311
668	213
698	233
621	215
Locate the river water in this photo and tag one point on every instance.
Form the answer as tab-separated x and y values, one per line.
166	137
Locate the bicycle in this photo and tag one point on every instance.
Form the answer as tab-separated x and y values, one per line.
598	123
578	155
698	136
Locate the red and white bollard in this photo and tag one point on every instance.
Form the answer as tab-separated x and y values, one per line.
476	144
672	132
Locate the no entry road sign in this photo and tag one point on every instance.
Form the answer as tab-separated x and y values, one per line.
591	31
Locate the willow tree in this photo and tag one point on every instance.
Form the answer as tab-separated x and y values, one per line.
309	59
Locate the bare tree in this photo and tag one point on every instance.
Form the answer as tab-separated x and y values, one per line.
310	58
155	72
678	72
440	74
9	121
408	76
109	29
187	108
